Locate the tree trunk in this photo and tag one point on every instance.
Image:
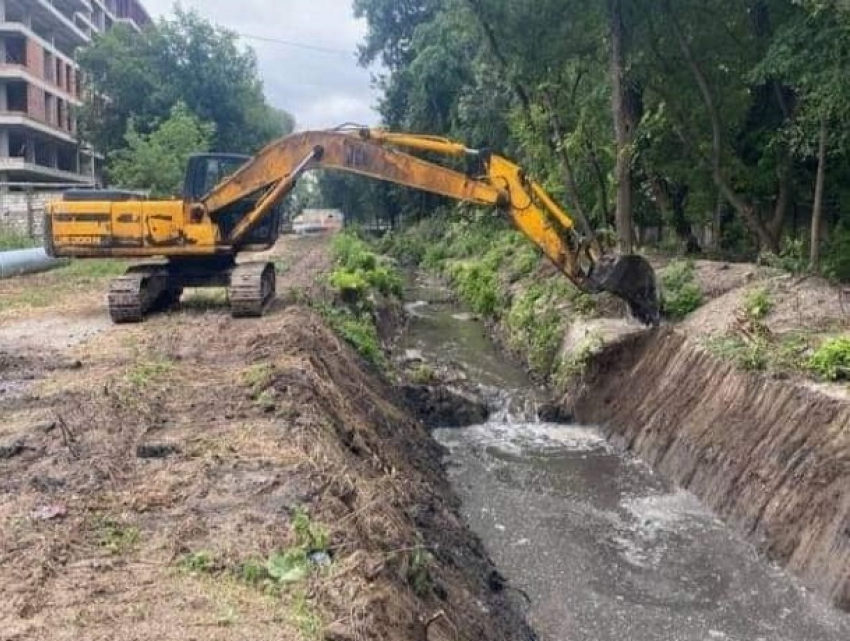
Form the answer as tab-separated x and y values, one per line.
623	132
817	210
567	166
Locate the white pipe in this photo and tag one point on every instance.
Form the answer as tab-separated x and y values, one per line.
26	261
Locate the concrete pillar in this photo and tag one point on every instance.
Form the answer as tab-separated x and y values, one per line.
4	96
4	143
52	156
2	10
29	153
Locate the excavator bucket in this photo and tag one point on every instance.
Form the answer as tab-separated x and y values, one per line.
631	278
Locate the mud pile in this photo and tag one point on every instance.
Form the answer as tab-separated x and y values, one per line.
772	458
236	480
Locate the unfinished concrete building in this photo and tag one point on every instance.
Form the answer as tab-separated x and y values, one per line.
40	87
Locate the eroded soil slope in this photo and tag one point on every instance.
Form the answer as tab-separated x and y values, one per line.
197	477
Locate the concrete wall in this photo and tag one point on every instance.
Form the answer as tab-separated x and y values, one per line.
22	213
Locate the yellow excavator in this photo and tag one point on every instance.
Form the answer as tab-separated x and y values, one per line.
230	206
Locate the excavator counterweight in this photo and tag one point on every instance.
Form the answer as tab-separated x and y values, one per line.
231	205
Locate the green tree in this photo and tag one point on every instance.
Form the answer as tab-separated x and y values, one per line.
157	161
182	58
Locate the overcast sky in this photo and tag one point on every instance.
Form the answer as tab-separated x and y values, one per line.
320	88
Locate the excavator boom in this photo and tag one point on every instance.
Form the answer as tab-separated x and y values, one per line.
501	183
202	234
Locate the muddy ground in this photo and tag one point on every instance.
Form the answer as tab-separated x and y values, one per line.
196	477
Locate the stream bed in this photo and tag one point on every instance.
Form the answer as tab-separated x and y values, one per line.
602	547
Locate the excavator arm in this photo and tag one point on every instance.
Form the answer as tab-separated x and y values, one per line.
378	154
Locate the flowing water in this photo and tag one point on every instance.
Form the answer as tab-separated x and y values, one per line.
603	548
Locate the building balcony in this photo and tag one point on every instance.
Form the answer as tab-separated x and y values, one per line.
23	120
22	73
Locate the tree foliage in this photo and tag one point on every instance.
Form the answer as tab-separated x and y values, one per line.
157	161
728	111
183	58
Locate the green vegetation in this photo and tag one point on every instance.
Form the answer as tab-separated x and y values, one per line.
89	271
680	293
419	572
536	326
357	328
148	369
183	58
117	537
831	361
756	127
575	365
789	354
758	304
836	260
156	162
15	240
360	270
359	277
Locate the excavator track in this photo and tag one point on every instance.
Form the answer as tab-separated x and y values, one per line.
134	294
252	288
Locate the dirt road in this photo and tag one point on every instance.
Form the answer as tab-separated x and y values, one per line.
196	477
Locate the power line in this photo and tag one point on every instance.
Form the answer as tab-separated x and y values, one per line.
296	45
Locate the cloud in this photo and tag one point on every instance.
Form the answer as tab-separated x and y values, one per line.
321	86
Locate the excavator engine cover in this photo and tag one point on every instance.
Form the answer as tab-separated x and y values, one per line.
631	278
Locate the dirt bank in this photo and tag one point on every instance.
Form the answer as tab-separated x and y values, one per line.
772	458
197	477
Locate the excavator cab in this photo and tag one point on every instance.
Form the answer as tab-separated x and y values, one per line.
204	172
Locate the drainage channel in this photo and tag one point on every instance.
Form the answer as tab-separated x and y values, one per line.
603	548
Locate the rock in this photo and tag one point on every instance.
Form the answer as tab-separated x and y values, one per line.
413	356
554	413
49	512
338	631
156	451
11	449
445	407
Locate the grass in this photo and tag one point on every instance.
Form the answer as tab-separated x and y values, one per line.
305	618
575	365
117	537
11	239
148	370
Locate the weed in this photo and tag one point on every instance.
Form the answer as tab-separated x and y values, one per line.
253	572
758	304
575	365
356	329
419	572
289	566
680	294
227	616
10	239
201	562
423	375
311	536
149	370
305	618
88	270
536	327
831	361
258	376
793	257
116	537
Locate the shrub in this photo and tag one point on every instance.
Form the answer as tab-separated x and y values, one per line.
836	255
680	294
758	304
831	360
